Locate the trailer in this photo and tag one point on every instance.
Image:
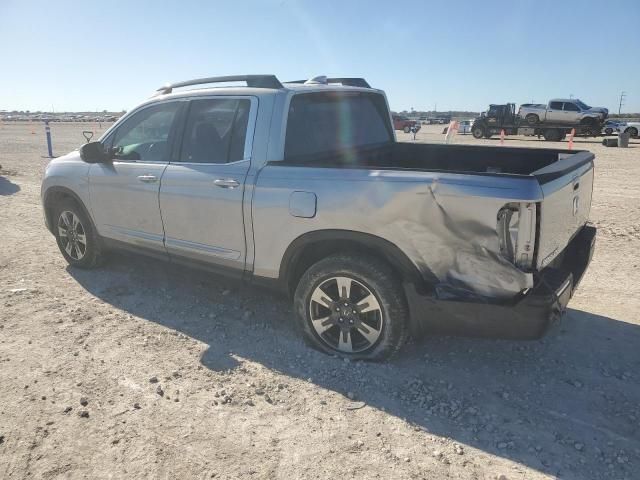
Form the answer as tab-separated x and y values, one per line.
503	117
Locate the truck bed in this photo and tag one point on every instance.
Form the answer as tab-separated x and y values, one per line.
445	158
563	178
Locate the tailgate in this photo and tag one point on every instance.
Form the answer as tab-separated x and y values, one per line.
567	186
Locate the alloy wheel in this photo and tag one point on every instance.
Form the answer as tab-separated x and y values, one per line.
73	237
346	315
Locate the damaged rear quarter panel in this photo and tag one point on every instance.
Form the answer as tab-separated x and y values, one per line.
445	223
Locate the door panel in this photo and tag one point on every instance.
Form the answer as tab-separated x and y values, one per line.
203	220
554	112
201	194
124	199
124	193
570	113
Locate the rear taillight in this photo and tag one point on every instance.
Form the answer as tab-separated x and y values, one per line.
516	227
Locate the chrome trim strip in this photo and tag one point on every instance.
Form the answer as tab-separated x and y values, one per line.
199	247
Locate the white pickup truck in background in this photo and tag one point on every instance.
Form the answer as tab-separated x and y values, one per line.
563	110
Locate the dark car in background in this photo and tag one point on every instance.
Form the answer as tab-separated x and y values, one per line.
404	124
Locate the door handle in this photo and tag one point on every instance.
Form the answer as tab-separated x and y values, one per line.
226	183
148	178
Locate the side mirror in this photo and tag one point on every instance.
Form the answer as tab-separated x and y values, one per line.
93	152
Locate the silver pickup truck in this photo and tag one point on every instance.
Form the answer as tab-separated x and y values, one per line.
563	110
301	186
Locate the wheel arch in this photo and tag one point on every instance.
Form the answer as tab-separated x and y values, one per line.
311	247
588	120
55	194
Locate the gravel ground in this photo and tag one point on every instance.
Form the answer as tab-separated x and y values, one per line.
145	370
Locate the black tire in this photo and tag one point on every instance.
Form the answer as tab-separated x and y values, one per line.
92	255
552	135
367	272
406	129
589	121
608	131
632	131
532	119
478	132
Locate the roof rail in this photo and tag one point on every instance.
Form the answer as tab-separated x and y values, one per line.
256	81
346	81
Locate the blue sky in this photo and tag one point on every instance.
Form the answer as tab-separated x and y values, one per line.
79	55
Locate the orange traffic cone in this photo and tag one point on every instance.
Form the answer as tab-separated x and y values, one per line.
502	137
571	135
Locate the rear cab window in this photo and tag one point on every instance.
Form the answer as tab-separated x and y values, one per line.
319	123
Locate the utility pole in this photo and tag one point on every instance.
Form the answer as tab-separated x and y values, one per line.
622	97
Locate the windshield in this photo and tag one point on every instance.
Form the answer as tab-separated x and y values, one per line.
582	105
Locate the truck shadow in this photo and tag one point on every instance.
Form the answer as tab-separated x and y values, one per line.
553	404
7	187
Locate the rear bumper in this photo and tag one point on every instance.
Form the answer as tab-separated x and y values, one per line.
525	317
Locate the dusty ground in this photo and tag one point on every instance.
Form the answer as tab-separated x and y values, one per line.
188	376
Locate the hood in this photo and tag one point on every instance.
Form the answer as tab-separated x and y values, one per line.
73	156
598	110
70	158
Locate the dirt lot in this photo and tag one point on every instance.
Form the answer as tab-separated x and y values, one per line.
143	370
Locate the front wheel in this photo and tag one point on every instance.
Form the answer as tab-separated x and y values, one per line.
76	236
632	131
588	121
477	132
407	129
353	306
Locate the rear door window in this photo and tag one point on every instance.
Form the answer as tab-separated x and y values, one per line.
555	105
215	131
323	122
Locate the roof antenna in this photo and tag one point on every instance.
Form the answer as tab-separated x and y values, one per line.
319	80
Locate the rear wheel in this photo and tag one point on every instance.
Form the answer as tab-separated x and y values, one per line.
608	131
76	236
532	119
406	129
552	135
633	131
353	306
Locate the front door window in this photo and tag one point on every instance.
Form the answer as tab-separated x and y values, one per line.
145	135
